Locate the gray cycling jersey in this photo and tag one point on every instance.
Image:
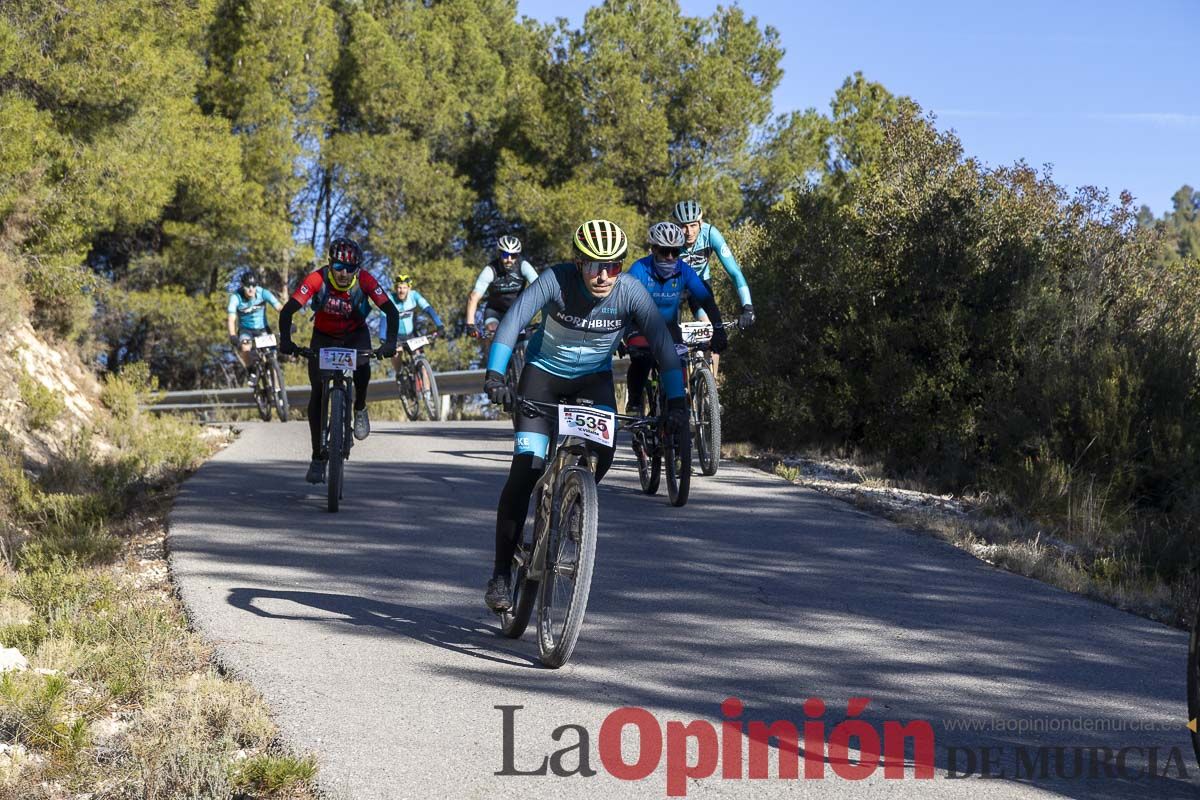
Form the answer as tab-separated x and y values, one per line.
579	331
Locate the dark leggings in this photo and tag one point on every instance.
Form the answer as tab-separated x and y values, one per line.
360	340
529	457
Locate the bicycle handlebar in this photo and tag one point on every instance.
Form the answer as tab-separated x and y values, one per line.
539	408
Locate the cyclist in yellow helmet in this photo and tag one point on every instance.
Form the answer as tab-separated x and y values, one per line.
585	305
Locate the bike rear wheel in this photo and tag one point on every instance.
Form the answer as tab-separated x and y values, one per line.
337	442
571	553
677	452
706	411
426	386
278	389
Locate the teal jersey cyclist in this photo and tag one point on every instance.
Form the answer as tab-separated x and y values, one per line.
585	306
408	302
247	316
702	241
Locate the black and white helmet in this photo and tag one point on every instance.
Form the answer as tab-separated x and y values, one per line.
686	211
666	234
508	244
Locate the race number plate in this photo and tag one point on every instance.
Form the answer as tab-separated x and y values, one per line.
586	422
416	343
338	358
696	332
264	340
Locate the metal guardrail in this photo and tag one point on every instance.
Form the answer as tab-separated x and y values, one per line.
455	382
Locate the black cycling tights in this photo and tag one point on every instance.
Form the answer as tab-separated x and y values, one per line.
360	340
526	467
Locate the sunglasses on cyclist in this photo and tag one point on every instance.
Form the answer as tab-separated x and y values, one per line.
340	267
667	252
594	268
508	255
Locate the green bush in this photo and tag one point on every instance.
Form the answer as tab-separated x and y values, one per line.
42	406
978	328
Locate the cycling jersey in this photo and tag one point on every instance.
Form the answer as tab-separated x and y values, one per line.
708	242
501	287
579	331
340	311
252	313
408	310
668	294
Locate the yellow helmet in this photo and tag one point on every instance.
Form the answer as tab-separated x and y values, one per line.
403	277
601	240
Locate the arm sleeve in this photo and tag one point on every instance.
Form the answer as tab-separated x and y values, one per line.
529	302
528	272
285	319
650	322
233	304
423	304
486	276
725	255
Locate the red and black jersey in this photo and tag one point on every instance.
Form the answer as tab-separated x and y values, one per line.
340	311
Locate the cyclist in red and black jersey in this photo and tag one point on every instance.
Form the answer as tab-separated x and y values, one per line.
340	294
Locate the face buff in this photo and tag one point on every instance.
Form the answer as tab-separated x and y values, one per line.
665	268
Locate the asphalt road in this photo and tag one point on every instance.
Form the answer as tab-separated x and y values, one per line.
366	632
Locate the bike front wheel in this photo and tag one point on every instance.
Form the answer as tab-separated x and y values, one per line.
706	412
408	397
427	390
263	395
279	389
677	452
570	555
337	443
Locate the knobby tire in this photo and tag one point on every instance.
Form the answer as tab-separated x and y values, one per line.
569	560
337	443
707	407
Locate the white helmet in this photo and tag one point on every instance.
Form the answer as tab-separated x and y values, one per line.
666	234
686	211
508	244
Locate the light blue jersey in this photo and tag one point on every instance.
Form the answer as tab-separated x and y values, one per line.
709	242
408	310
252	313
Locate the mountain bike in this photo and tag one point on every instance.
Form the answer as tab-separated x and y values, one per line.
702	391
652	445
337	365
1193	685
415	380
270	391
552	568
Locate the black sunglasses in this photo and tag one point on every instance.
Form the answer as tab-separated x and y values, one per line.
342	267
669	252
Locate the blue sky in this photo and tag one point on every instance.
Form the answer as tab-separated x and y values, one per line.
1106	92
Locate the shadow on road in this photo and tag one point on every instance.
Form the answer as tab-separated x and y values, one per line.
456	634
